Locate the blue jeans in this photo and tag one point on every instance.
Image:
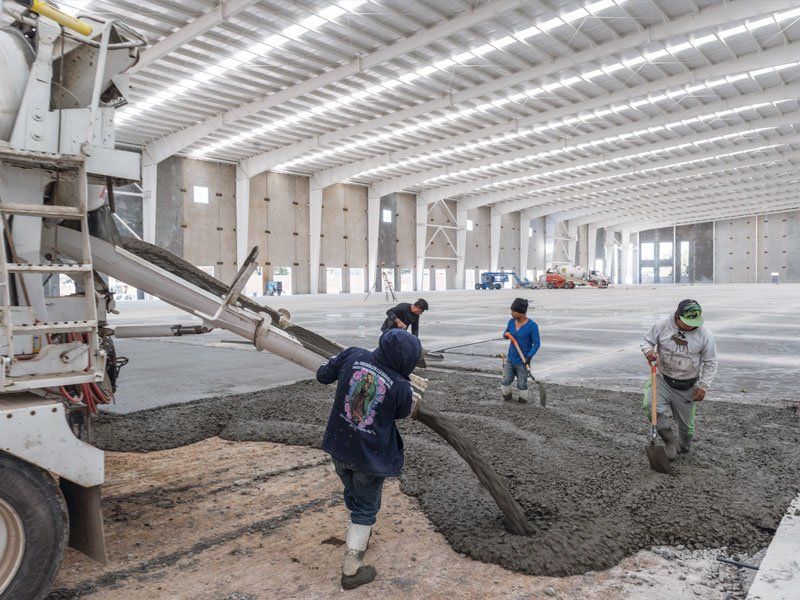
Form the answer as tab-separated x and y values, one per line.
362	493
510	371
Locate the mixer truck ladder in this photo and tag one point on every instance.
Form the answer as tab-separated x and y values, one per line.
77	358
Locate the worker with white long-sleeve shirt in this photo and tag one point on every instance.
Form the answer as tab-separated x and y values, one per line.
686	354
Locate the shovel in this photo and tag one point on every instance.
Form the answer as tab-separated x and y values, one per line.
542	391
656	455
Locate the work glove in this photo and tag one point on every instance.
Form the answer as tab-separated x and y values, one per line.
528	362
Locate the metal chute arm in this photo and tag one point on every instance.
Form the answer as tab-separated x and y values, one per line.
188	272
186	295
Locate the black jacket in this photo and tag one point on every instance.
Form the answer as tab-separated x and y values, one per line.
403	312
372	392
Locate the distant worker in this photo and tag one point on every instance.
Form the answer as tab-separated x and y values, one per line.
405	315
686	355
373	391
526	332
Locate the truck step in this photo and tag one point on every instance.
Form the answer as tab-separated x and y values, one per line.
24	268
55	327
40	210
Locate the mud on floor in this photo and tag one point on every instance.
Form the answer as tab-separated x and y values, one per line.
577	468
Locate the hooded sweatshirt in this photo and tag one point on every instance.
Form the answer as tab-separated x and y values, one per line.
373	391
683	354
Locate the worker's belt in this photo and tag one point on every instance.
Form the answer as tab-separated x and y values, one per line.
680	384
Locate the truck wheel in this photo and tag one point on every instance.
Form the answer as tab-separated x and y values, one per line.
478	286
33	530
550	285
497	286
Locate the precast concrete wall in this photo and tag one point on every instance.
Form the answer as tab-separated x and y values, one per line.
169	210
779	247
509	243
477	254
343	242
406	219
744	250
202	233
279	225
735	250
536	256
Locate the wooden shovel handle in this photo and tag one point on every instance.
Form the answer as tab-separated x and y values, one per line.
516	345
653	399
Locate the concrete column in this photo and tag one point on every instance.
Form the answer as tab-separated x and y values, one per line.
314	234
550	227
373	225
591	247
494	244
625	274
242	216
149	187
461	246
615	256
422	241
608	246
524	242
572	243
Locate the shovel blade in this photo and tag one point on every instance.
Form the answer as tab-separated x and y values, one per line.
542	394
657	457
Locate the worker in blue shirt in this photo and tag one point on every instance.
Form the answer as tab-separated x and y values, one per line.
526	332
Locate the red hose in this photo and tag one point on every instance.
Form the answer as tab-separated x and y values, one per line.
90	394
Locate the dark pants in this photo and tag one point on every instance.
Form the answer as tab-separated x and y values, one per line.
362	493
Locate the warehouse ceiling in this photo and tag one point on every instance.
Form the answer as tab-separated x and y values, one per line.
608	111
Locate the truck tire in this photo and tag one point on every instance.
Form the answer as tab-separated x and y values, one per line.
497	286
550	285
478	286
33	530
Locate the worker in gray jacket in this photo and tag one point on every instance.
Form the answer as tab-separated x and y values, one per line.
686	355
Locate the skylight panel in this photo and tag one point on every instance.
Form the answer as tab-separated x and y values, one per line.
273	41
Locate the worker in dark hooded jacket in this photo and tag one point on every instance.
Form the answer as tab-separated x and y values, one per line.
373	391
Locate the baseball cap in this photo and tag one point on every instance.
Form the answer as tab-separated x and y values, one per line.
690	312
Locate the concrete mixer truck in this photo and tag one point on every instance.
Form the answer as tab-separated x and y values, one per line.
62	79
569	276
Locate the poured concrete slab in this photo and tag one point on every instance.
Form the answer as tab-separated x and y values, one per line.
778	577
590	337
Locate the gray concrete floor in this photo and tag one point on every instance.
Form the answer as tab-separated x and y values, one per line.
590	337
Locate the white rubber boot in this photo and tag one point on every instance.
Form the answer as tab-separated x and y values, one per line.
522	396
357	542
506	390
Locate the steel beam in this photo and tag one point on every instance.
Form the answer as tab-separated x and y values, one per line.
217	15
584	216
758	203
175	142
540	198
609	158
713	16
637	128
623	201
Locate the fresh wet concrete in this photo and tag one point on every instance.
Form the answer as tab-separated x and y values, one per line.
577	467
